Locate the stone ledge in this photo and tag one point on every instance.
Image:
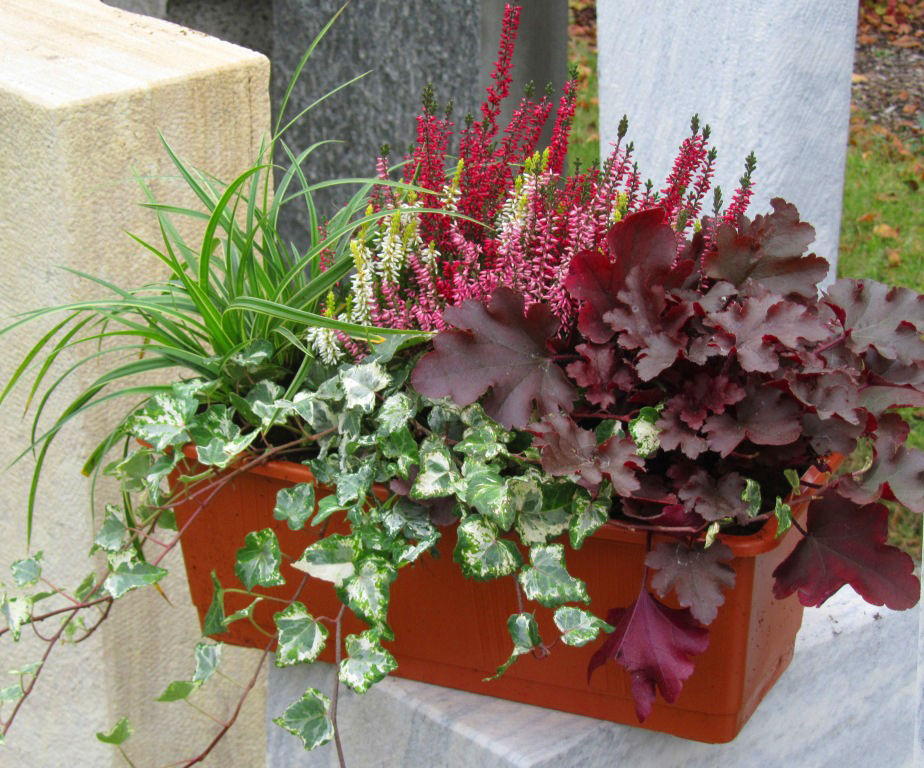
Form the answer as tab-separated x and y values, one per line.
848	687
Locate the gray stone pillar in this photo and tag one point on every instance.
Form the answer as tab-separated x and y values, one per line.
771	76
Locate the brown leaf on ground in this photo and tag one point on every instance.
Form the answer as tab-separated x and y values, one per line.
885	231
893	257
871	216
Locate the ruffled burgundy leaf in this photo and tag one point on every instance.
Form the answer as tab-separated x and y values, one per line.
761	324
601	374
887	319
497	348
768	250
698	575
832	394
570	451
714	498
674	435
878	398
704	394
902	474
765	417
833	435
656	645
845	544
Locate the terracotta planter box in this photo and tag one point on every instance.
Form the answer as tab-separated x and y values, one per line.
464	636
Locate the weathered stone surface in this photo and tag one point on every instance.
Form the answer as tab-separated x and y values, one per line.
771	76
847	700
84	89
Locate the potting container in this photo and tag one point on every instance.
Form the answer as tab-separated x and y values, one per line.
452	631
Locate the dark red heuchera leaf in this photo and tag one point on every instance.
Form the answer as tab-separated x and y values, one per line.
889	320
499	348
567	450
601	374
760	324
714	498
845	544
698	575
833	394
901	474
769	251
765	417
832	435
656	645
594	281
675	435
704	393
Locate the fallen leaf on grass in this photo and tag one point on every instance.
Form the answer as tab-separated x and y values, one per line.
858	78
893	257
871	216
885	231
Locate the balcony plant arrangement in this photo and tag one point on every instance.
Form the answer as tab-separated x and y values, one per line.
572	432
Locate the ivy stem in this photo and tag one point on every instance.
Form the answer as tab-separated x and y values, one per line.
336	695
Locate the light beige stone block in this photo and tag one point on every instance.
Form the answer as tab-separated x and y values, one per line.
84	90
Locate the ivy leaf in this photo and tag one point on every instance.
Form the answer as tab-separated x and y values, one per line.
542	512
218	439
352	487
524	631
309	719
111	534
484	442
768	250
259	559
499	348
360	383
401	446
577	626
164	419
697	575
179	690
547	580
208	657
330	559
783	514
295	505
366	592
569	451
214	622
300	636
845	544
27	571
589	515
656	645
17	611
367	661
888	319
119	734
262	403
438	475
644	431
244	613
131	575
314	409
488	492
482	553
395	413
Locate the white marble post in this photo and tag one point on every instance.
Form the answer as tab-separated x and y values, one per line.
772	76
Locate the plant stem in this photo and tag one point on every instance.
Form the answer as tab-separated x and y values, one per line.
336	694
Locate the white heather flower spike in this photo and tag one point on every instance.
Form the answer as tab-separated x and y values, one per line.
324	343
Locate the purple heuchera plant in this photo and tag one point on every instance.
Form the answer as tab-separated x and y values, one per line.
730	374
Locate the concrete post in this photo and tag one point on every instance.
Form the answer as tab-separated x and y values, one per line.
84	90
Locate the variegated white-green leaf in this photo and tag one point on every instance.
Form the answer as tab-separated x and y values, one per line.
214	622
10	693
537	522
178	690
295	505
524	631
751	496
395	413
645	433
438	475
360	383
309	719
577	626
315	410
118	735
483	442
111	536
208	657
330	559
547	580
262	401
326	507
608	428
301	637
367	661
588	515
366	591
352	487
401	446
487	491
711	532
783	514
259	559
218	452
164	419
245	612
253	356
410	552
27	571
482	553
131	575
27	670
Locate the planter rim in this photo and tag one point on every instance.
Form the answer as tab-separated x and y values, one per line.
747	545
